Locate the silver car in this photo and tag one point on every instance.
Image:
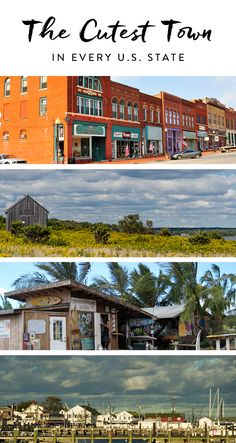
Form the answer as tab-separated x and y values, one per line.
187	153
7	159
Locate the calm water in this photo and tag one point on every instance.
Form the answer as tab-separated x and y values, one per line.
230	238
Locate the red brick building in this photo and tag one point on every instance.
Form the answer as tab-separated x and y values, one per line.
201	125
151	124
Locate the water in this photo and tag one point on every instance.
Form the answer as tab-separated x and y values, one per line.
233	237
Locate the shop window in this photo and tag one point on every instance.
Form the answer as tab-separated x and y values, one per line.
114	108
151	115
122	109
43	106
43	82
23	134
144	113
24	85
89	83
7	87
136	112
6	136
130	111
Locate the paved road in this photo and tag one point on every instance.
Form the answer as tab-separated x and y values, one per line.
218	158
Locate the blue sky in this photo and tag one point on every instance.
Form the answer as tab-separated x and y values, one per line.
9	271
126	382
172	198
222	88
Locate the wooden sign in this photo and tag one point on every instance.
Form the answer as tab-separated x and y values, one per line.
44	300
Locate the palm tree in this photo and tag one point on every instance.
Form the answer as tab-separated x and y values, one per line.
5	304
118	285
52	272
147	288
220	293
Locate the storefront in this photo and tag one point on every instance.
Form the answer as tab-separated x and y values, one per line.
66	315
202	139
217	139
173	140
189	140
152	140
88	141
125	142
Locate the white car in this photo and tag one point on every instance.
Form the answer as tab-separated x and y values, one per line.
7	159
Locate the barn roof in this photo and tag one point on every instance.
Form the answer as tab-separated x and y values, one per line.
85	291
22	199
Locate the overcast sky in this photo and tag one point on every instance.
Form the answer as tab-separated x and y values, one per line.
168	197
125	381
222	88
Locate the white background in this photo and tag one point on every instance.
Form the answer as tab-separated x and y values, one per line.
19	57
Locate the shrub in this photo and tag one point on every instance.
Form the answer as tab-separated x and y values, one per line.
165	232
214	235
131	224
101	233
57	241
36	233
17	228
200	238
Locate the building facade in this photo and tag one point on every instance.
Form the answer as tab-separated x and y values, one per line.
230	117
201	125
27	211
216	123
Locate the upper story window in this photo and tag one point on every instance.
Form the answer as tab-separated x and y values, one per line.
151	115
222	121
43	106
170	117
89	83
114	108
7	87
89	106
144	113
130	109
158	114
6	136
198	118
177	118
167	115
24	85
210	118
43	82
122	109
174	117
135	112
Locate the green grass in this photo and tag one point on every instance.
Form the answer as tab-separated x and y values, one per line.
81	243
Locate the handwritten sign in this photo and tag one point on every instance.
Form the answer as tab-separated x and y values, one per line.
37	326
4	328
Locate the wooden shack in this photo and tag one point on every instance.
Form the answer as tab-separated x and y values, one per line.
28	211
65	315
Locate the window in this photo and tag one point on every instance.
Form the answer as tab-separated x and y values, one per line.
24	85
174	117
214	119
122	109
89	106
144	113
183	119
6	136
198	118
23	135
152	115
210	118
222	121
43	82
129	111
43	106
114	108
158	116
135	112
167	115
218	120
170	117
89	83
7	87
177	115
192	120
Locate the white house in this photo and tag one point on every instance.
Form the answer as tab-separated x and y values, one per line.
30	415
205	421
106	420
81	415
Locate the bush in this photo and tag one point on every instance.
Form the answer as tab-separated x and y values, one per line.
214	235
17	228
57	241
200	238
101	233
165	232
131	224
36	233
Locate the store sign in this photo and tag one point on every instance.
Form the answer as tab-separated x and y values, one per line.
126	135
81	304
217	138
37	326
4	328
44	300
202	128
79	129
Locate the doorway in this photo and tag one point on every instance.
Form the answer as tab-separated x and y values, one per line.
58	333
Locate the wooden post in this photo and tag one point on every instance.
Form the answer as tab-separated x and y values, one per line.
54	436
110	436
15	435
207	436
92	437
131	437
73	436
227	436
150	437
188	435
169	436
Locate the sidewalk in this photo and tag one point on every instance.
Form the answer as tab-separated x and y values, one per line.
146	159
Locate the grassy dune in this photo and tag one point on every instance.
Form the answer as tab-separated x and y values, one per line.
71	243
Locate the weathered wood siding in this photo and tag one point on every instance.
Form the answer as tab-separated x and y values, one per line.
44	315
15	342
27	211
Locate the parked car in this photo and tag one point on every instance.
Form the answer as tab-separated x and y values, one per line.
7	159
228	148
187	153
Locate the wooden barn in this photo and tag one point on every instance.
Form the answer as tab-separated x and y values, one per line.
66	315
28	211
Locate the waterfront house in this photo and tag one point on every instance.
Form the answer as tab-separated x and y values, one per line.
81	415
